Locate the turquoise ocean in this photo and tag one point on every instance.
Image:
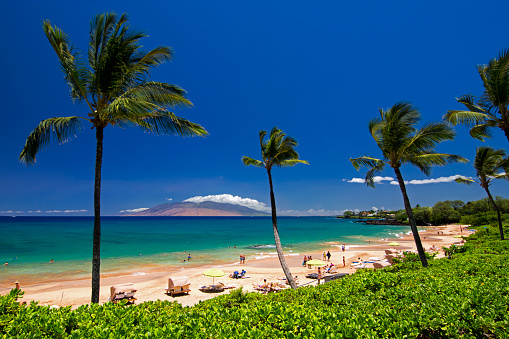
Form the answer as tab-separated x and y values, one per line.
138	244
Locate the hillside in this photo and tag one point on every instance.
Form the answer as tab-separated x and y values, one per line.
202	209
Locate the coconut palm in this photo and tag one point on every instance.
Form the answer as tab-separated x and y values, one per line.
491	109
489	164
115	89
402	143
278	150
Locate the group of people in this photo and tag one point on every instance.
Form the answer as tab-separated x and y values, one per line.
237	275
326	256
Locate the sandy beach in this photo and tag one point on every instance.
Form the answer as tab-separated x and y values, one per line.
151	286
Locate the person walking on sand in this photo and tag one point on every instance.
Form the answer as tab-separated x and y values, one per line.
305	260
328	255
344	262
242	259
324	256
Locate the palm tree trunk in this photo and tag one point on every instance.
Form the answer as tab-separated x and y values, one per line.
96	247
498	213
279	249
411	219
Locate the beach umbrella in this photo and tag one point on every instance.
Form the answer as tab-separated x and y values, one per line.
316	262
393	243
214	272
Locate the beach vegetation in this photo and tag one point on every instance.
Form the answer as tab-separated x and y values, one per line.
401	142
466	296
113	84
489	164
278	150
491	109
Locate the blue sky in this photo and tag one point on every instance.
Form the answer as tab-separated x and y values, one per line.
318	70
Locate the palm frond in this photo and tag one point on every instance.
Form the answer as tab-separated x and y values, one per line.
463	180
290	162
483	131
59	129
425	161
250	161
71	64
467	118
165	122
429	136
365	162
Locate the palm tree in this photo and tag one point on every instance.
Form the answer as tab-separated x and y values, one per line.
491	109
114	87
489	164
402	143
279	151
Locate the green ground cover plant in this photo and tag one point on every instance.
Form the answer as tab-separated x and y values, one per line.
466	296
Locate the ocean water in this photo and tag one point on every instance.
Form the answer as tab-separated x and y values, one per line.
138	244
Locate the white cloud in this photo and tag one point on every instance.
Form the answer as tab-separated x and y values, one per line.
67	211
134	210
374	208
376	179
439	180
230	199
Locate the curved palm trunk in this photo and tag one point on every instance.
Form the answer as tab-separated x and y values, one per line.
498	213
411	219
279	249
96	247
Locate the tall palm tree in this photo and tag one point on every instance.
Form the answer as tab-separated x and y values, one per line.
114	87
402	143
491	109
278	150
489	164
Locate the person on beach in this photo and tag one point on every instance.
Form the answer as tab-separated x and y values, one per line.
242	259
344	262
328	255
189	257
343	247
319	274
309	259
324	256
51	261
305	259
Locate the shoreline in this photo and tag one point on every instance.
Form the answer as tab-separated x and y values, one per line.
153	281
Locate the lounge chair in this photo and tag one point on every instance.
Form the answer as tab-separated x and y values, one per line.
219	287
378	265
123	292
313	275
328	278
178	285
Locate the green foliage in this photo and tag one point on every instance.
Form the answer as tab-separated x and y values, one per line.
478	219
463	297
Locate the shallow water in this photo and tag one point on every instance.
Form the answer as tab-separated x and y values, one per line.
28	244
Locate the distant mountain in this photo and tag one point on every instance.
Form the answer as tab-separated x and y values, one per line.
201	209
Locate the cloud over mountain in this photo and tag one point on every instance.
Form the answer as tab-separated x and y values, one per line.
230	199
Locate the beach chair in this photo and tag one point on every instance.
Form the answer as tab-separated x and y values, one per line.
212	288
178	285
123	292
379	265
328	278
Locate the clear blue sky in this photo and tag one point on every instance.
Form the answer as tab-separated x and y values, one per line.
319	70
